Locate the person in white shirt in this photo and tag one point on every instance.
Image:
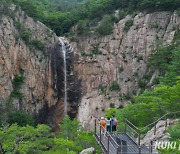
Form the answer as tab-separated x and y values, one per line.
108	124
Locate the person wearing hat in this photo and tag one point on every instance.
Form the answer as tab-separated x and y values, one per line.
103	125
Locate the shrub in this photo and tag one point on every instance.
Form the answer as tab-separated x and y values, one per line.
122	14
71	130
114	86
141	84
112	105
128	24
106	26
155	81
95	50
25	35
21	118
120	69
26	139
174	132
18	80
161	64
148	75
140	57
83	27
17	83
83	53
18	25
120	106
110	112
114	19
38	44
102	88
127	96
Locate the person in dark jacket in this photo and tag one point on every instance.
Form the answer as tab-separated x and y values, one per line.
114	123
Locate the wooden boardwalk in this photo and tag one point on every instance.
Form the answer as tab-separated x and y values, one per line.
128	142
120	144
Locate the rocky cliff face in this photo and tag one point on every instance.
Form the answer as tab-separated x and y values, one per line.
119	59
25	65
103	71
31	69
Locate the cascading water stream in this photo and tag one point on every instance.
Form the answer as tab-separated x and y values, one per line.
65	75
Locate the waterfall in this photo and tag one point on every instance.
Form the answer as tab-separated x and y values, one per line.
65	74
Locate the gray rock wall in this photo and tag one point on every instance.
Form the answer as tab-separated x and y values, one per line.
121	57
20	56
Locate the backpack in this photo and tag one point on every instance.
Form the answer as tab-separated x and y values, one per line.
115	122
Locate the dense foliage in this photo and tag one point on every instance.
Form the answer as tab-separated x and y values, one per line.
21	118
174	132
106	26
61	15
28	139
151	105
17	139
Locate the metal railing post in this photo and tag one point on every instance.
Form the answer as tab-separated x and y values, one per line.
100	133
117	149
139	149
166	123
151	147
125	129
155	129
95	127
108	145
139	141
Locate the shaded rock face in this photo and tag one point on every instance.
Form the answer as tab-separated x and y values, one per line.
120	57
73	83
31	69
25	50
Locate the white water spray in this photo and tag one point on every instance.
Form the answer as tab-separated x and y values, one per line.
65	75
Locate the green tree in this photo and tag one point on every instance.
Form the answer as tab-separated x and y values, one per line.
128	24
173	70
73	133
122	14
110	112
27	139
151	105
106	26
21	118
83	27
69	129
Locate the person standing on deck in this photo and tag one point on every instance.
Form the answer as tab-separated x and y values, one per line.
114	123
103	125
108	124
